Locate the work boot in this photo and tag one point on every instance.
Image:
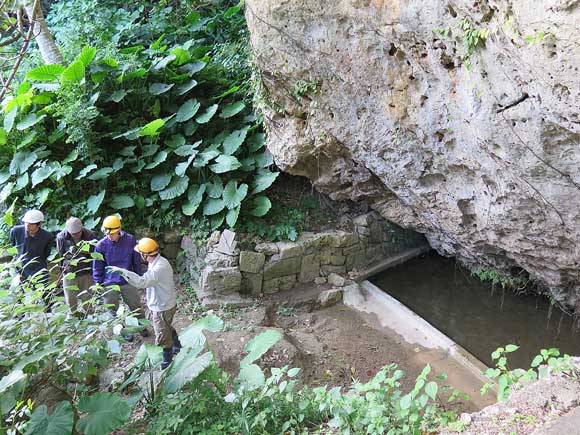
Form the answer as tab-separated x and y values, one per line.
176	343
167	358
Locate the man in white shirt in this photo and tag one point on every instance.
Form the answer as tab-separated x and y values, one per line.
158	280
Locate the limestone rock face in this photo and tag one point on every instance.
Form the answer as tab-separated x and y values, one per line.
381	101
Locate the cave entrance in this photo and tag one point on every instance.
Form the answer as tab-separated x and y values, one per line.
475	315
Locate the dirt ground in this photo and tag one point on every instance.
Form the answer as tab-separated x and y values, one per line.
334	346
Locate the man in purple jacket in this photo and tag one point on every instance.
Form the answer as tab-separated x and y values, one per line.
117	249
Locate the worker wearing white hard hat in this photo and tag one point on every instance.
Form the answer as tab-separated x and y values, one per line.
33	244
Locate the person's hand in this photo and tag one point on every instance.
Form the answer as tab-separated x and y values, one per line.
114	270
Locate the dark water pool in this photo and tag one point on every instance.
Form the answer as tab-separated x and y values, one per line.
473	315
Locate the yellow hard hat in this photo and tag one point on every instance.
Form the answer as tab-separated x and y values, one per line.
147	246
111	225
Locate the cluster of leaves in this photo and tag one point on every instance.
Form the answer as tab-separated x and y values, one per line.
470	37
145	130
548	361
43	351
497	278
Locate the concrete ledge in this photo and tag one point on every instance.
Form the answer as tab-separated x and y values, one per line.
392	262
568	424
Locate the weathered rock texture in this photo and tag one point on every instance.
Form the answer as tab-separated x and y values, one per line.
371	103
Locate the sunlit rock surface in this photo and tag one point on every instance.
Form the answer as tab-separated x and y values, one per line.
375	100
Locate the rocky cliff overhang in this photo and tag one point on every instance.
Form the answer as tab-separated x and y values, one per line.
459	119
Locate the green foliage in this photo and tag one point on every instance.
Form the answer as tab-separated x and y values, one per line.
470	37
549	360
143	119
42	350
495	277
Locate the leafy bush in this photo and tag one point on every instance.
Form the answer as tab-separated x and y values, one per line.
157	130
43	351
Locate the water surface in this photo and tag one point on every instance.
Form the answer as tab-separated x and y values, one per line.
476	316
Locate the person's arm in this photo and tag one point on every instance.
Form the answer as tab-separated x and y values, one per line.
136	260
148	279
99	268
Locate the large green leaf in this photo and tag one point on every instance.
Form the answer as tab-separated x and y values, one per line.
21	161
149	352
209	113
259	345
149	150
234	141
75	72
122	201
187	150
83	172
41	174
256	142
22	182
181	168
251	377
187	110
225	164
100	174
87	55
46	73
59	423
10	380
194	196
6	191
72	156
261	206
232	109
185	368
42	195
263	181
118	95
192	336
213	206
232	216
160	157
232	195
152	128
103	412
95	201
159	88
160	182
9	119
61	171
216	188
191	68
175	141
29	120
204	158
186	87
175	189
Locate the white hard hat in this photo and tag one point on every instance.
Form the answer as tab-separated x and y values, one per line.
33	217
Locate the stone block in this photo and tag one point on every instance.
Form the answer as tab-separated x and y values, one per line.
221	280
374	253
213	239
289	249
189	247
342	239
364	219
252	262
356	260
283	267
217	259
337	259
329	297
353	248
227	243
309	268
327	270
377	230
336	280
312	241
287	282
252	283
362	231
267	248
320	280
270	286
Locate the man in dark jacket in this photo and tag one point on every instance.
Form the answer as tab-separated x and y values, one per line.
73	245
33	243
117	249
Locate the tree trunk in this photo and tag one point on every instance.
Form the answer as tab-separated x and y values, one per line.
48	48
